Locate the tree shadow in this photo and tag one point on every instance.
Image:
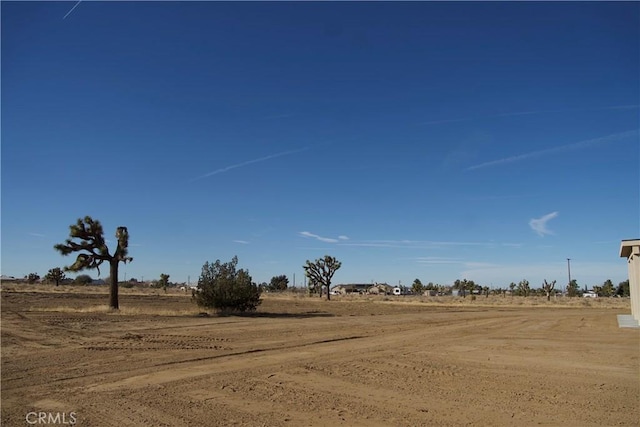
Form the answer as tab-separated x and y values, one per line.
273	315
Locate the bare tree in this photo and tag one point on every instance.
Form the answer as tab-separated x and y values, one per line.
321	272
93	251
548	288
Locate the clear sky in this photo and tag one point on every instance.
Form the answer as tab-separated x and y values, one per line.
430	140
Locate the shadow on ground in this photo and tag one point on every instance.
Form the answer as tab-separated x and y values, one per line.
272	315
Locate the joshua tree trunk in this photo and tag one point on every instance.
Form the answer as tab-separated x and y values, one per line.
548	288
113	290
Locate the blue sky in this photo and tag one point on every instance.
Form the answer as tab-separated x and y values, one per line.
430	140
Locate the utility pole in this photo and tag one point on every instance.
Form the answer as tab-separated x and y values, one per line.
569	269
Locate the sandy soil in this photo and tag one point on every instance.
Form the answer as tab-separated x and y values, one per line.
306	362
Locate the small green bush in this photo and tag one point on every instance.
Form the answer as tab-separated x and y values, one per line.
224	288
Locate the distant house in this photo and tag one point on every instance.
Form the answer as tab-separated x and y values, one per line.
98	282
380	289
590	294
352	288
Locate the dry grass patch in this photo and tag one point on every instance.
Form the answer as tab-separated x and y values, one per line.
491	301
123	311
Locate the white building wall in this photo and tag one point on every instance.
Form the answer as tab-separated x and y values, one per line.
630	249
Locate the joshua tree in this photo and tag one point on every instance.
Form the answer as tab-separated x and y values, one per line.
55	275
92	242
164	281
464	286
321	271
523	288
548	288
32	278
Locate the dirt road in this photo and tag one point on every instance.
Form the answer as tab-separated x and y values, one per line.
305	362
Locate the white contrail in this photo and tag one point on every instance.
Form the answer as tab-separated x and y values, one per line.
574	146
69	13
250	162
528	113
315	236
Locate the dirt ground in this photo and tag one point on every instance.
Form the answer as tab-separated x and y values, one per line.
300	361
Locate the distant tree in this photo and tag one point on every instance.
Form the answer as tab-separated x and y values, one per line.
457	285
523	288
623	289
472	287
606	290
485	289
512	288
32	278
163	282
573	288
83	279
55	275
548	288
278	283
314	287
223	287
465	286
417	287
460	286
321	271
91	236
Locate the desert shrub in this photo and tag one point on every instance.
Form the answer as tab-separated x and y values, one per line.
224	288
83	279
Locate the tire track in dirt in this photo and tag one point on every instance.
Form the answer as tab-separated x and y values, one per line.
280	354
273	355
473	367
